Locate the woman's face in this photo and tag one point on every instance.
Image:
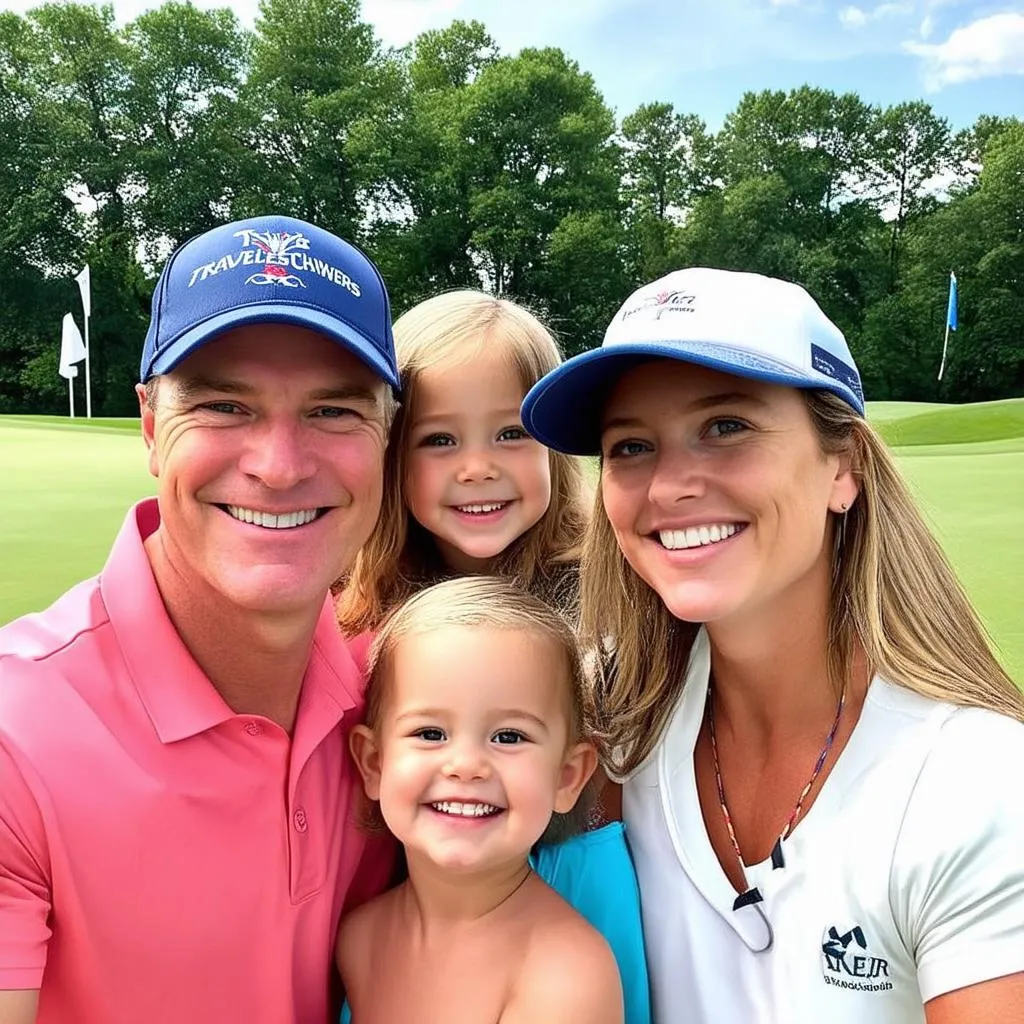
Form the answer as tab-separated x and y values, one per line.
718	490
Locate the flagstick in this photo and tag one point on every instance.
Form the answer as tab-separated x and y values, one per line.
942	365
71	395
88	372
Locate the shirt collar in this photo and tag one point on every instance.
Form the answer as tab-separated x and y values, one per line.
177	695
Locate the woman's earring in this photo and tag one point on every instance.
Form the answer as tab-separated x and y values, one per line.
840	538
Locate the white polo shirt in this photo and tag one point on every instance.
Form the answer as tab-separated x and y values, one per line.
905	879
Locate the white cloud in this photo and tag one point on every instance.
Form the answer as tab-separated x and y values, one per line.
852	17
983	49
857	17
927	27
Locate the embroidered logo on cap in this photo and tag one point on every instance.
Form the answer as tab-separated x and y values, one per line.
278	258
656	305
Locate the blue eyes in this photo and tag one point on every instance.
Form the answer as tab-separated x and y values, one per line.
509	736
724	428
437	441
431	735
513	434
627	448
503	737
327	412
442	440
335	412
716	430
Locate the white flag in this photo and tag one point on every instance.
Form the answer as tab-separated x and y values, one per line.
72	348
84	287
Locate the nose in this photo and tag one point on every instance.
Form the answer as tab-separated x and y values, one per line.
466	762
279	455
678	475
476	465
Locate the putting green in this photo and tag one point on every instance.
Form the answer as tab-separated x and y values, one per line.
67	486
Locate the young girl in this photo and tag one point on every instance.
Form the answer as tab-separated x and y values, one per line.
822	757
476	734
466	489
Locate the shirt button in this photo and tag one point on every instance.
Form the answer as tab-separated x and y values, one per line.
253	728
299	820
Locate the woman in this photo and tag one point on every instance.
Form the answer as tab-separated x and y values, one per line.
821	757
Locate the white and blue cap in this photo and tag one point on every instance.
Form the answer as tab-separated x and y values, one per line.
269	270
738	323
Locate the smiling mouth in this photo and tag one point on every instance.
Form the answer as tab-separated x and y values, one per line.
482	508
698	536
273	520
463	809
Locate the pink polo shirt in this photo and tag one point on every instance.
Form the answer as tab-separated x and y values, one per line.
163	859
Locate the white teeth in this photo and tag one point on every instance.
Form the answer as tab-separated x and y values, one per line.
465	810
696	536
282	521
492	506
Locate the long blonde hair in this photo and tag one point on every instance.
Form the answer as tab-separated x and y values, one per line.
496	603
401	557
894	595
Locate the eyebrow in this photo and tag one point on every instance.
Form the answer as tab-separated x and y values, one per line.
191	388
707	402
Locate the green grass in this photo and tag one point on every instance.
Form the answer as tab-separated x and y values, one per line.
68	485
881	412
964	424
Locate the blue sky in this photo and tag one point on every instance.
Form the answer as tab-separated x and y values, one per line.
965	57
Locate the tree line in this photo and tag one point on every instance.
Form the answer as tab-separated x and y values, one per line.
455	165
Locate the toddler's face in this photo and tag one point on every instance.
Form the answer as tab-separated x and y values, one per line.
474	478
473	752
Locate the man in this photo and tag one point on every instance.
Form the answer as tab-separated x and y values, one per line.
178	818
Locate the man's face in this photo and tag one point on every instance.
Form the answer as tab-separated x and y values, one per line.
268	445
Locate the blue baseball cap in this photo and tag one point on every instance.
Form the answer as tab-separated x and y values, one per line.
744	324
269	270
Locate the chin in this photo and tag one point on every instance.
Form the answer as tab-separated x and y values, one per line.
697	604
271	596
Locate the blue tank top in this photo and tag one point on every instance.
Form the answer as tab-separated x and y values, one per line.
594	874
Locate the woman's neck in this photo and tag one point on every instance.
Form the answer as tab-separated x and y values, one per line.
770	672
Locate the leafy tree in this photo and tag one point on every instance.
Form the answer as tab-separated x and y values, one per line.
186	68
317	74
910	149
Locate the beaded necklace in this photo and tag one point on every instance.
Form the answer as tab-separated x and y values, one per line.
752	895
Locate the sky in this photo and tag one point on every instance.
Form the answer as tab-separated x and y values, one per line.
964	57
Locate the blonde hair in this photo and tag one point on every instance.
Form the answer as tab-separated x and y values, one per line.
894	595
400	556
489	602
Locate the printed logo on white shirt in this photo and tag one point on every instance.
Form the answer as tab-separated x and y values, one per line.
848	963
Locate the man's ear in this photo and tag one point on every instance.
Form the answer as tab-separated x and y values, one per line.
362	742
579	764
148	418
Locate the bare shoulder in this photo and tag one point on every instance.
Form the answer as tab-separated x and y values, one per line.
569	974
357	933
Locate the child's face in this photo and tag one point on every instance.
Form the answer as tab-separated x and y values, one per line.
474	478
472	752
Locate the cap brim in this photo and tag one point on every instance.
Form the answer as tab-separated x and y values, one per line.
563	409
276	313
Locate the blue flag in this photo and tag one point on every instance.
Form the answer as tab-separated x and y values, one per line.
951	309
